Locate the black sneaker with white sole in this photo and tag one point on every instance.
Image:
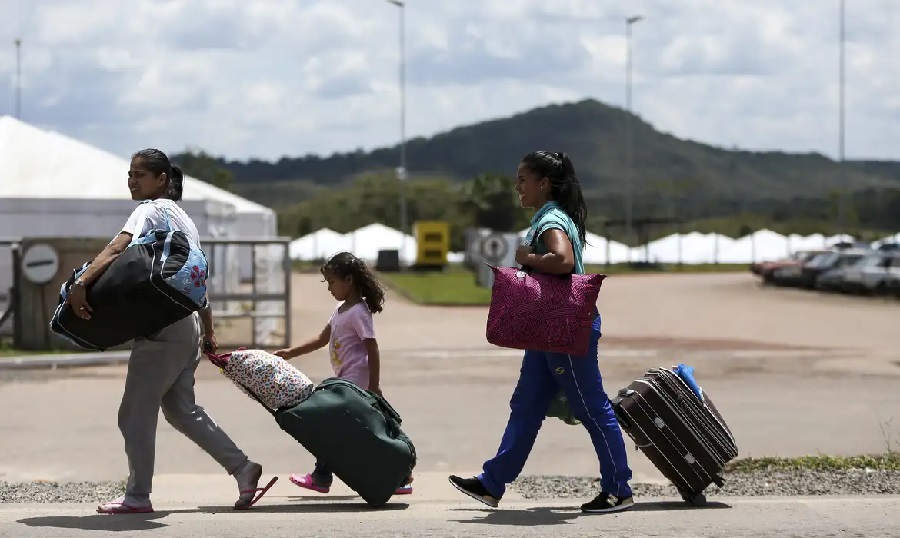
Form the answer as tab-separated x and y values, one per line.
606	503
475	489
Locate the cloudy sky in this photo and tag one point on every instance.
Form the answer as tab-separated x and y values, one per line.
267	78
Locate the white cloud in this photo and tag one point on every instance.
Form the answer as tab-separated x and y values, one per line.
289	77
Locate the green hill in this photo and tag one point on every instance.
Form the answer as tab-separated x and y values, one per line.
594	135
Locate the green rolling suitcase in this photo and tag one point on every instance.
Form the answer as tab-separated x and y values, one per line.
353	431
357	434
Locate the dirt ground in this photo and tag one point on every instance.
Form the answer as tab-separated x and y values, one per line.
792	373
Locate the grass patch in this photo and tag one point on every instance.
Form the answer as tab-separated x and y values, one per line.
13	352
889	461
455	286
458	286
7	350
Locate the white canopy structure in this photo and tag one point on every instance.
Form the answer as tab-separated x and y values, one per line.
318	245
364	242
44	165
55	186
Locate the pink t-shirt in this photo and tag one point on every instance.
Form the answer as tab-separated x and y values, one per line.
347	348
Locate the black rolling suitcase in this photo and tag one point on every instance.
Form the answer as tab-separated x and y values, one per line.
682	433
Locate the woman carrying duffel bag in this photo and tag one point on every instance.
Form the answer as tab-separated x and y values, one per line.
162	365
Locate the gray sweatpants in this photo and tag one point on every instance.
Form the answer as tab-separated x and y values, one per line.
161	374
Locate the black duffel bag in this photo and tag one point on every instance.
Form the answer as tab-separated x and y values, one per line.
158	280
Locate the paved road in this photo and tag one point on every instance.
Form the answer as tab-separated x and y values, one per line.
819	383
736	518
439	511
792	372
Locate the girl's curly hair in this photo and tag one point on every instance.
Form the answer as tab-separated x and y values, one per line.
344	264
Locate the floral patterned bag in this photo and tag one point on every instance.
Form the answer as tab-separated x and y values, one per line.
265	377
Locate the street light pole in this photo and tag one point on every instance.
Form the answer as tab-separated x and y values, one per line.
18	43
629	204
401	171
841	121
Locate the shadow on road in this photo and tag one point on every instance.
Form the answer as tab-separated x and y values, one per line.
560	515
532	517
100	522
304	498
309	508
146	522
676	505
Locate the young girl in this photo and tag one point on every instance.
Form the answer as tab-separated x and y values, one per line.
350	337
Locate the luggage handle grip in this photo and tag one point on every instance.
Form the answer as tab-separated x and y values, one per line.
620	415
386	407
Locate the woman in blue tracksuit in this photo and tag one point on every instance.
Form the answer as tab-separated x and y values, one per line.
546	181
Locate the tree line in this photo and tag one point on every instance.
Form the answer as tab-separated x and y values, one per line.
489	200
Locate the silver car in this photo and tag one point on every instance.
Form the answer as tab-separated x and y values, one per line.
875	273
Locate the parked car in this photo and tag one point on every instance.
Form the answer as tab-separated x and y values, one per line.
766	270
874	274
810	271
894	288
832	279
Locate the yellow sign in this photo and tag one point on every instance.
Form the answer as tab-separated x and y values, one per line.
432	242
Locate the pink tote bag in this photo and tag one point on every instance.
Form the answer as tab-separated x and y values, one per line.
543	312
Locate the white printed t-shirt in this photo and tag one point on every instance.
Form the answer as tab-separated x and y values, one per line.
151	215
347	348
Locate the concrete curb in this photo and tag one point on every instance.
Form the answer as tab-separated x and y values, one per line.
57	360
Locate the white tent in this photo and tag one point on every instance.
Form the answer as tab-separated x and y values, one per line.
320	244
692	248
41	164
368	240
56	186
598	247
50	178
762	245
798	243
889	240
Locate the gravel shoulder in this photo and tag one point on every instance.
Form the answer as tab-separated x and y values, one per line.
752	484
760	483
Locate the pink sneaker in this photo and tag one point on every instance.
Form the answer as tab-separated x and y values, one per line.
307	482
404	490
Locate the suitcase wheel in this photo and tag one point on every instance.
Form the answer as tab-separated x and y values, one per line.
698	499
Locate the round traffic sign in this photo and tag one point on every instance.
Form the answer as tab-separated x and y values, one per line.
40	263
494	248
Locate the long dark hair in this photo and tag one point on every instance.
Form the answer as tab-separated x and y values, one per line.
158	163
564	186
344	264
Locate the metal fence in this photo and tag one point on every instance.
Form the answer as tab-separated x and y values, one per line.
252	312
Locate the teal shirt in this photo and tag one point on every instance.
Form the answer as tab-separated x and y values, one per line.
552	216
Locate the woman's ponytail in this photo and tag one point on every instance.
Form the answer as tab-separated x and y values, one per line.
176	184
570	197
565	189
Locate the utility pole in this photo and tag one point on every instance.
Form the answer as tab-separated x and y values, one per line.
841	124
402	174
18	43
629	204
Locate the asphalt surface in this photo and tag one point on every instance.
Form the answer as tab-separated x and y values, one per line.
792	372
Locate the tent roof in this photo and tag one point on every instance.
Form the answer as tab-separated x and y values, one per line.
45	164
